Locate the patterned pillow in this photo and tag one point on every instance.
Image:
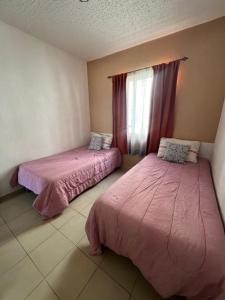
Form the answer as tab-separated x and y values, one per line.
192	153
96	143
107	140
176	152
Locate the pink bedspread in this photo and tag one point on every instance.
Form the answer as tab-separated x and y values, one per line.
57	179
164	217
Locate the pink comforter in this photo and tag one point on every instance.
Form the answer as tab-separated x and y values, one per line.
164	217
57	179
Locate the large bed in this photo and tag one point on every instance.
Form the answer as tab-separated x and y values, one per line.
57	179
164	217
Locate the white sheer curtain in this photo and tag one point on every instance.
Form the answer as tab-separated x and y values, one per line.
139	87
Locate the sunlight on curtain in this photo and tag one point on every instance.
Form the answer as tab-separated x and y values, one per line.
139	86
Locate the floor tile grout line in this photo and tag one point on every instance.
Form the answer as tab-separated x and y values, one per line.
46	275
47	222
52	290
20	246
54	232
117	282
86	254
24	249
86	284
26	256
133	288
29	251
72	240
11	220
3	220
76	197
108	274
13	266
34	289
17	240
57	228
70	251
76	245
83	215
43	280
85	205
80	213
57	231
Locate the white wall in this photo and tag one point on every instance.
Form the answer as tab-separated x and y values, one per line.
218	163
44	106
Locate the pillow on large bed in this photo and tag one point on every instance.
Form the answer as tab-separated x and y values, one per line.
176	153
192	153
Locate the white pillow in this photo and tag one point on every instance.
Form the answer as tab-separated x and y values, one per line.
192	153
107	139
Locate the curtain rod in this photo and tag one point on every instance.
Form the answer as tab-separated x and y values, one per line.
181	59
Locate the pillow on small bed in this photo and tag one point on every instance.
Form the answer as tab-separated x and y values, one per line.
95	143
176	153
192	153
107	140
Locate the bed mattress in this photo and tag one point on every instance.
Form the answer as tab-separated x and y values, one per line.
164	217
57	179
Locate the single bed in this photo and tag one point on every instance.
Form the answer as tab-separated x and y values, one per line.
164	217
57	179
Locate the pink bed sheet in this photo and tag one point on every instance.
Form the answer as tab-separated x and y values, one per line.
165	218
57	179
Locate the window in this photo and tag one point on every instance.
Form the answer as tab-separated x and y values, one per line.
139	87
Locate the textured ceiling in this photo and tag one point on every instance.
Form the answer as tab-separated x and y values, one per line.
100	27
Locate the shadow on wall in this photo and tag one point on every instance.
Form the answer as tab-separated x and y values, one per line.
218	163
71	105
44	103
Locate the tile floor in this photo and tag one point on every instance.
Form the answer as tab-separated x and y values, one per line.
48	260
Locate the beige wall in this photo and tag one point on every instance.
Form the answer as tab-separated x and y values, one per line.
201	85
44	105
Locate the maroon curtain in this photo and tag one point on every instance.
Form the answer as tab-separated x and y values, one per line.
163	103
119	112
